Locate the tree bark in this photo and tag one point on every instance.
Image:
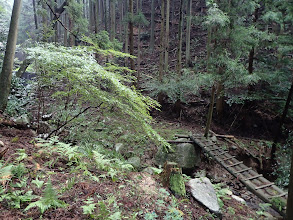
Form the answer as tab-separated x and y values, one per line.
289	214
179	50
210	113
35	15
130	26
152	42
279	131
167	35
189	15
112	19
6	74
162	41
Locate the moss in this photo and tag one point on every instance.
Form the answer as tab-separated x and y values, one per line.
177	183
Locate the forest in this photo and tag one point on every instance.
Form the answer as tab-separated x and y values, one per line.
146	109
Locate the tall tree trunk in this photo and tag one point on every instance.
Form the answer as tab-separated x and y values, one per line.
130	26
126	31
167	36
210	113
139	8
6	73
65	31
209	49
121	20
179	49
220	99
279	131
71	37
162	41
113	18
35	15
289	213
152	43
189	16
105	15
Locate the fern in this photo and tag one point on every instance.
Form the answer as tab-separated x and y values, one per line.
49	200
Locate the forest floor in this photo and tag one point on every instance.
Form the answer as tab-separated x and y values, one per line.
129	195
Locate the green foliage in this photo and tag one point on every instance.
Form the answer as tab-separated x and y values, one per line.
150	216
88	83
178	88
19	170
283	155
75	11
140	19
38	183
19	97
216	17
90	206
16	198
221	194
49	200
102	41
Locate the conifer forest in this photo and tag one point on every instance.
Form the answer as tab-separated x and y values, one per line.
146	109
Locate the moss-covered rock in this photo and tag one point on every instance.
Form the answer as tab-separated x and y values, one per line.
185	154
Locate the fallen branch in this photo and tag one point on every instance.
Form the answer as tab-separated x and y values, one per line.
67	121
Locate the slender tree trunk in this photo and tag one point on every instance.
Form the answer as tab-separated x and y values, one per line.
35	15
279	131
105	15
210	113
209	48
71	37
152	42
189	16
162	41
121	20
126	31
220	99
6	73
167	36
130	26
289	214
139	8
179	49
112	18
65	31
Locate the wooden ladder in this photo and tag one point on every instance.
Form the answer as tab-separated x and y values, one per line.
256	183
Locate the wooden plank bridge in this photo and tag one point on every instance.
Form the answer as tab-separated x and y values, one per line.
256	183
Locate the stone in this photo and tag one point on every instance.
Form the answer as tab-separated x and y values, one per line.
23	120
119	148
239	199
214	138
148	170
1	144
135	162
203	191
177	185
184	155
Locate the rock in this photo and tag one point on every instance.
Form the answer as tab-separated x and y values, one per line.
184	155
148	170
23	120
1	144
203	191
119	147
134	161
239	199
177	185
214	138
